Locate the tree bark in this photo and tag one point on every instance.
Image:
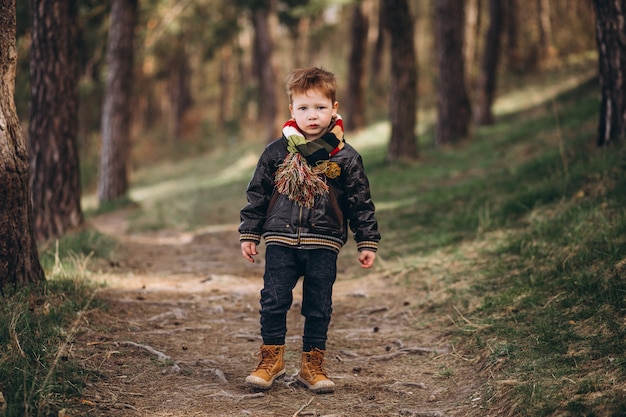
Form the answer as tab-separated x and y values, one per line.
179	88
114	157
53	125
263	49
513	54
546	45
453	105
488	77
472	29
377	84
356	74
19	259
610	36
403	89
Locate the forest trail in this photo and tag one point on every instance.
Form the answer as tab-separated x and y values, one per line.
180	334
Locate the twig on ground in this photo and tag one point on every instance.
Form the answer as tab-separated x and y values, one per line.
394	387
160	355
237	397
414	413
219	374
303	407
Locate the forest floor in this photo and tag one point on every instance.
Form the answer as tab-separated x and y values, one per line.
181	330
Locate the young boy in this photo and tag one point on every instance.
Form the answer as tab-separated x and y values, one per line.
308	187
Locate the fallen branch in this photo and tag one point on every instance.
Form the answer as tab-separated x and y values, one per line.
219	374
174	369
413	413
160	355
302	408
408	384
237	397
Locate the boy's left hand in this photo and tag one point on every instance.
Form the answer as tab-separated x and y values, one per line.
366	258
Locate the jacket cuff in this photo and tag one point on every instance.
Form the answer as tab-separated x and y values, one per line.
250	237
367	245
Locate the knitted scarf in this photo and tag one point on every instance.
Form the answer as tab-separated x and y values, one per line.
301	175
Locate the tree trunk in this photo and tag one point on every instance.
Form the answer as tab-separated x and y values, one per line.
226	100
513	54
19	259
403	89
472	29
610	35
53	125
487	80
377	84
179	89
546	45
113	180
263	49
355	112
453	105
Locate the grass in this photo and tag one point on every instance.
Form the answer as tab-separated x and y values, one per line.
541	205
37	327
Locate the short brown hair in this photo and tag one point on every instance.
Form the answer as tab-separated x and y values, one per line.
301	80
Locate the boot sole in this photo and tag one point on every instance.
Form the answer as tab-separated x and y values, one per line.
259	383
312	388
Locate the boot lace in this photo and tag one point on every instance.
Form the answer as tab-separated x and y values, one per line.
317	363
268	359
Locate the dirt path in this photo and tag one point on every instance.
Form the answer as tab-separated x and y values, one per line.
181	332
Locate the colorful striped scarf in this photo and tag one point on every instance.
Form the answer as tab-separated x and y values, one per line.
301	176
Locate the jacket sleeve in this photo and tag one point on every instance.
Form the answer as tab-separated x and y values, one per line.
258	194
360	207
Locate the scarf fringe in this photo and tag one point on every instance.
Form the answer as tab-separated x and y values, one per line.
300	182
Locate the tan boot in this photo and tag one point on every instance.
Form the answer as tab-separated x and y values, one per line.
271	366
312	374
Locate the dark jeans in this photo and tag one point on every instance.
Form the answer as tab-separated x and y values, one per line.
283	267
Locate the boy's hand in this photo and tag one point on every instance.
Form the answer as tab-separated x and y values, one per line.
366	258
248	249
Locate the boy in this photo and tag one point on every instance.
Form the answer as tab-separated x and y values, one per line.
308	187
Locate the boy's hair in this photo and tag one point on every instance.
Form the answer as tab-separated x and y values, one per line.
301	80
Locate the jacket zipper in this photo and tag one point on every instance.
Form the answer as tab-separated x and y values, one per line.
299	225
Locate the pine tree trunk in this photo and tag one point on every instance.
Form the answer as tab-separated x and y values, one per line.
453	105
486	88
19	259
513	54
53	125
610	34
356	74
403	90
114	157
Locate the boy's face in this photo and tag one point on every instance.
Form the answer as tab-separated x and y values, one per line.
313	112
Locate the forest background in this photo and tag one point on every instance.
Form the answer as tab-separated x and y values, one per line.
199	88
208	74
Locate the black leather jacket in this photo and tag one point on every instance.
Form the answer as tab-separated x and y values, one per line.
348	205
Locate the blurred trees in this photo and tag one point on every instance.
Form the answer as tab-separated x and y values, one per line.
487	78
611	33
403	83
453	105
53	123
116	112
204	69
19	260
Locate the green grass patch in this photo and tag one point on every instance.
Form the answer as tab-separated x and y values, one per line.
37	327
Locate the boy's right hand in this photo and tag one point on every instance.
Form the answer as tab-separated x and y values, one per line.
248	249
